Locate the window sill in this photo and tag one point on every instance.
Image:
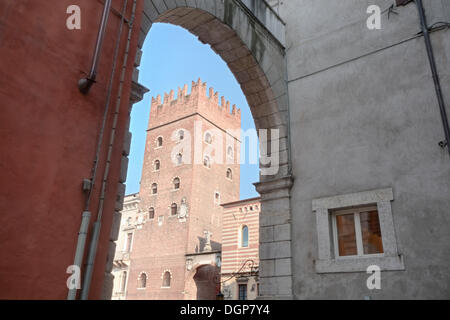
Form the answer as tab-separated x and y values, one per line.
360	264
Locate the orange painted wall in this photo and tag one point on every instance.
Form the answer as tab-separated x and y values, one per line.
48	137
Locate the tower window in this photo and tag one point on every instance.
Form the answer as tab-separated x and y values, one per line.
179	159
217	198
229	174
208	138
157	165
173	209
230	151
181	134
159	142
207	162
166	279
154	188
151	213
176	183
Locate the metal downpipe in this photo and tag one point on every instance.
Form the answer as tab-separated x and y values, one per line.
97	225
437	84
85	84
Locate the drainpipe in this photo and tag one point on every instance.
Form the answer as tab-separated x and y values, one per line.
85	84
97	225
82	234
437	84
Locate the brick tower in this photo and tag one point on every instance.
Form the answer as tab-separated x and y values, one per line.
191	166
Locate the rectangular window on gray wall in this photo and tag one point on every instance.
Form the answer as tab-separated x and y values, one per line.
242	292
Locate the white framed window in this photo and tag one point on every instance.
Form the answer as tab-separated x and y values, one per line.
355	231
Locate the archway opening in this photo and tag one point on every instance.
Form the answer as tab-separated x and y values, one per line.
245	70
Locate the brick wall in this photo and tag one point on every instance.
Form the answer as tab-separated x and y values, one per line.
161	246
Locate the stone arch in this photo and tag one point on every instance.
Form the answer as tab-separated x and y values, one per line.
249	37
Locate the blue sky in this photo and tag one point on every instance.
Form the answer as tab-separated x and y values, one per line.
173	57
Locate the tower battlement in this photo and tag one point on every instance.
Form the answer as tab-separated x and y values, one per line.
167	108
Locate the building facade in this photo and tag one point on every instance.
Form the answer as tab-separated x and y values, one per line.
240	249
132	219
191	166
361	125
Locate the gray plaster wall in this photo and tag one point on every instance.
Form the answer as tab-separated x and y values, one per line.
364	116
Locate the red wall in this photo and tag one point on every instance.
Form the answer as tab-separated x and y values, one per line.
48	137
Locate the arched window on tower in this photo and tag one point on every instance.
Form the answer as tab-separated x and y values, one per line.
142	281
159	142
230	151
179	159
157	165
173	209
176	183
151	213
166	279
208	138
154	188
229	174
181	134
207	162
244	236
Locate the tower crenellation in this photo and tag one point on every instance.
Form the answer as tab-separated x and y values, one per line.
167	108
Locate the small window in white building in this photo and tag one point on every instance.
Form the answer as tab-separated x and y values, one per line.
356	230
128	242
